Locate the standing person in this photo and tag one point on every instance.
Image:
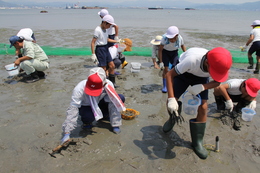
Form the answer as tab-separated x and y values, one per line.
194	69
168	51
33	59
28	35
255	47
242	91
112	30
99	48
93	99
155	49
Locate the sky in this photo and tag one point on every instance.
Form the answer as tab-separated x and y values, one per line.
115	1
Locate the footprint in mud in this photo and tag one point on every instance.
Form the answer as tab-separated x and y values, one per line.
150	88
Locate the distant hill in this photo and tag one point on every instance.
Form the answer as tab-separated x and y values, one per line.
252	6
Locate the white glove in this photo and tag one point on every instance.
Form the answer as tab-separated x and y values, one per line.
229	105
94	59
252	105
161	65
117	38
196	89
65	138
173	105
243	48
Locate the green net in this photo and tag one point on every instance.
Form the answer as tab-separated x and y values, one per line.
237	55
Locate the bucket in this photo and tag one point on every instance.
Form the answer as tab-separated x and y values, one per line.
248	114
135	67
190	103
12	70
121	47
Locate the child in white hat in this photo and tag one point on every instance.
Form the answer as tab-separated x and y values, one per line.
156	43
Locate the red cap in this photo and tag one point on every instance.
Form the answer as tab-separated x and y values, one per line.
94	85
220	61
252	86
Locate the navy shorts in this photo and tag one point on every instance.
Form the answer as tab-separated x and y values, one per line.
170	57
255	48
103	55
87	115
111	37
183	81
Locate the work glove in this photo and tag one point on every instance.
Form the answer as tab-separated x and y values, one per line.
65	138
94	59
196	89
229	105
252	105
172	105
117	38
161	65
243	48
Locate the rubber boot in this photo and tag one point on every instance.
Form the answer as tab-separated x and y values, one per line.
257	68
112	78
164	89
124	64
220	102
168	125
197	131
251	63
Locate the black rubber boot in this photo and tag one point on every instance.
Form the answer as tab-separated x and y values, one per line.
112	78
168	125
251	63
33	77
220	101
197	131
256	68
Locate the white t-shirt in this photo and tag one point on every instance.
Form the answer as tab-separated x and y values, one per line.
26	33
101	36
234	86
111	30
191	62
167	45
256	33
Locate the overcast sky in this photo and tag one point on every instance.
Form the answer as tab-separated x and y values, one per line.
194	1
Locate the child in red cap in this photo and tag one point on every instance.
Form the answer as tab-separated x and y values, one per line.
194	69
242	91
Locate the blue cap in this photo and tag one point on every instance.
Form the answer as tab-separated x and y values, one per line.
13	40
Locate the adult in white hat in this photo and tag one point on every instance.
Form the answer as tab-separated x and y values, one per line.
113	30
254	38
155	49
168	51
93	99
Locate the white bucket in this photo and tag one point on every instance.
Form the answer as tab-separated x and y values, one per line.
135	67
248	114
190	103
12	70
121	47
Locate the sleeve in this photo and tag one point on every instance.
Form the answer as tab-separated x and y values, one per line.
96	33
73	110
154	51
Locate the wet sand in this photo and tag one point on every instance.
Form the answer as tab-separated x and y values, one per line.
32	115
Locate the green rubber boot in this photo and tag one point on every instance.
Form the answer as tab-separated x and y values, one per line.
168	125
197	133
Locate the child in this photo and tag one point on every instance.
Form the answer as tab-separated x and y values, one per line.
168	51
255	47
242	91
112	31
155	49
100	53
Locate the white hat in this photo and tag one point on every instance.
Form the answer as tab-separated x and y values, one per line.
157	40
103	12
109	19
256	22
172	31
